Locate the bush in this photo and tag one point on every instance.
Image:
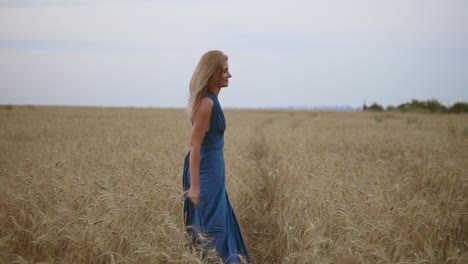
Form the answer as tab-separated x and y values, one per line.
430	106
435	106
405	107
459	107
378	118
390	108
375	108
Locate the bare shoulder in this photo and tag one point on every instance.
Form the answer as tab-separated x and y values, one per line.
205	105
204	108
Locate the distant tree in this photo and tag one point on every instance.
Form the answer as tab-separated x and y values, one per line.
390	108
417	106
459	107
375	108
435	106
429	106
432	106
403	107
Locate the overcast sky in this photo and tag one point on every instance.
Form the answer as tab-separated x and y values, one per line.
298	53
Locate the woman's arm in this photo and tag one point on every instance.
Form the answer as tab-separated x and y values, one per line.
201	124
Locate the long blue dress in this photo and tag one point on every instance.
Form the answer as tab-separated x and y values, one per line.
213	217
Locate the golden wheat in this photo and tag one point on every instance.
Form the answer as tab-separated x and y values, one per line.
103	185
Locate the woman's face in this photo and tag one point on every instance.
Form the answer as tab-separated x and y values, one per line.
225	75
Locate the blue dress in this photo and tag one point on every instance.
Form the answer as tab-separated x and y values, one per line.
213	217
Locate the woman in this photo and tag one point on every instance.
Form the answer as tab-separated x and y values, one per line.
208	214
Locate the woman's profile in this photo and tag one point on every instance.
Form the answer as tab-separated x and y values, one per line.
208	215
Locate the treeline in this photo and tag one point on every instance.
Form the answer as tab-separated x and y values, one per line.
430	106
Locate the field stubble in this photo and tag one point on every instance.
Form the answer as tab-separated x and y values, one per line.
101	185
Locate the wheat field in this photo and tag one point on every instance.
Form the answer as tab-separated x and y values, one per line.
103	185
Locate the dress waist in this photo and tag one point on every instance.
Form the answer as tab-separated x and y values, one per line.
210	145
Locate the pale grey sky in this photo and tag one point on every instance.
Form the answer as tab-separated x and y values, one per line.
281	53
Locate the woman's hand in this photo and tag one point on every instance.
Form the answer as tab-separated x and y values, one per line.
194	194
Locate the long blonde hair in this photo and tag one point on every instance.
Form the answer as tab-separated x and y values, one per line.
207	74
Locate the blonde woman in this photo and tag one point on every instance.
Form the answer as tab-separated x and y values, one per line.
208	214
